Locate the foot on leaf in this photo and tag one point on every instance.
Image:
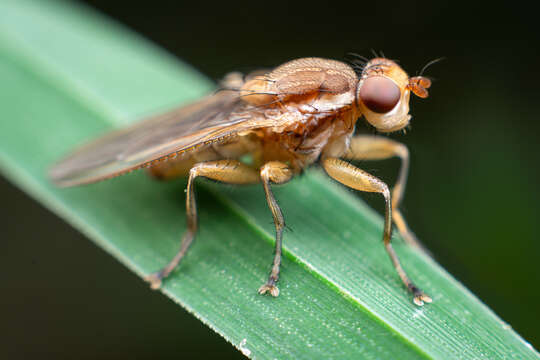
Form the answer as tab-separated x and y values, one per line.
270	288
154	280
420	297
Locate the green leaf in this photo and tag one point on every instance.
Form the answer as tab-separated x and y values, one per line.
68	75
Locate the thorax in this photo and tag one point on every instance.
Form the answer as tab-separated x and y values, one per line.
317	131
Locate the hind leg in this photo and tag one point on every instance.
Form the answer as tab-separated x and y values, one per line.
227	171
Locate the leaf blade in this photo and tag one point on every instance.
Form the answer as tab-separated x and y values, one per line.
217	282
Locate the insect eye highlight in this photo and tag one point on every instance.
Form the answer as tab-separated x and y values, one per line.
379	94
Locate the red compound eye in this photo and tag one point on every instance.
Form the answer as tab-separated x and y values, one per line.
379	94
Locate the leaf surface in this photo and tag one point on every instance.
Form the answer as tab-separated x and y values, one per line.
68	75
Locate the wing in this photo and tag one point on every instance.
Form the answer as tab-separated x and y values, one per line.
208	120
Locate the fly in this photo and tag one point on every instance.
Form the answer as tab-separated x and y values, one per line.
297	114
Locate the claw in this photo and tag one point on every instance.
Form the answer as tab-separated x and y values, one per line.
272	289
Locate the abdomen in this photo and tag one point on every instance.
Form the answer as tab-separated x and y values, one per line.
179	167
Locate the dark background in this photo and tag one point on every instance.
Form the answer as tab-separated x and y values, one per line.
472	196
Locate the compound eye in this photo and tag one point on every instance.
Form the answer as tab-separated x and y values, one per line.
379	94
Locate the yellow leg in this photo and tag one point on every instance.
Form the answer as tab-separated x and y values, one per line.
277	173
227	171
367	147
358	179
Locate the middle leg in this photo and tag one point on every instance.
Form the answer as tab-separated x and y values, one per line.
277	173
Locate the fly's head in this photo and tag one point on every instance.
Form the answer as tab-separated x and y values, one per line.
383	94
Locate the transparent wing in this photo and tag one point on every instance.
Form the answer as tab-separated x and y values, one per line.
208	120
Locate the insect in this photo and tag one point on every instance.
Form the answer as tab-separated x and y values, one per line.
288	118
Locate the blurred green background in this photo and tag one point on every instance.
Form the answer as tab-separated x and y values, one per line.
471	198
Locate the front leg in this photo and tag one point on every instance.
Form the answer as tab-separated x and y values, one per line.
368	147
358	179
277	173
